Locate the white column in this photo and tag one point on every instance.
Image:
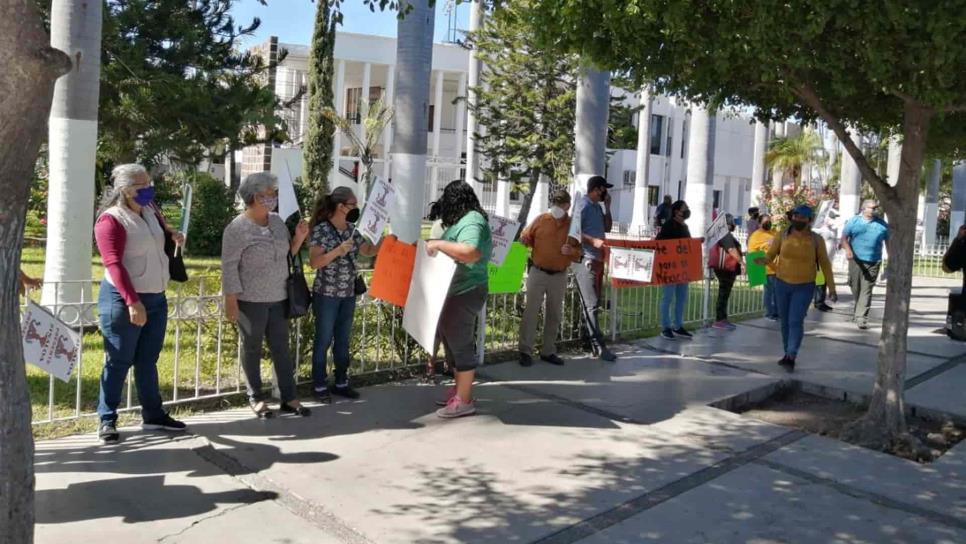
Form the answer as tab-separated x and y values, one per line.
338	97
502	207
640	209
957	212
698	187
893	160
460	116
366	82
777	176
387	133
538	204
758	166
931	212
850	186
475	67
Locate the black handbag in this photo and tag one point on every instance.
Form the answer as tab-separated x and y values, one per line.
360	287
299	296
176	268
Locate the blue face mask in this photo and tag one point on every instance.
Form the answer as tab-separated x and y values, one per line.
144	196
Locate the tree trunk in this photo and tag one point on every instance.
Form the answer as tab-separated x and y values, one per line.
527	201
75	28
414	58
30	67
884	425
593	107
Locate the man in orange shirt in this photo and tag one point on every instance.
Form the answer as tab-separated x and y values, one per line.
551	255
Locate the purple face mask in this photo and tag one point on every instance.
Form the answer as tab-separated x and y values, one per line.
144	196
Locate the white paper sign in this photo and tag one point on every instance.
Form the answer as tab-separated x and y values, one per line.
502	231
48	343
287	202
632	264
575	217
716	231
427	293
376	214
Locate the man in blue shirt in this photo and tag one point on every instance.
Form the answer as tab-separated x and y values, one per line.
595	223
862	239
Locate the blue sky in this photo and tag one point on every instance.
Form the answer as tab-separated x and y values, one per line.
292	20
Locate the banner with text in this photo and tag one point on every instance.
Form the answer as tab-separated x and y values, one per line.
675	261
376	214
393	272
717	231
632	264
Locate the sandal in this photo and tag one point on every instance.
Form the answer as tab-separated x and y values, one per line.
297	410
261	409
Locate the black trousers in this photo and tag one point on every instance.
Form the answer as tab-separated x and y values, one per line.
726	281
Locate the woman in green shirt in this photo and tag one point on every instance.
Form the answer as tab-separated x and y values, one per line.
467	241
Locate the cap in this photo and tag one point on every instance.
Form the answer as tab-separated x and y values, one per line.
597	181
802	210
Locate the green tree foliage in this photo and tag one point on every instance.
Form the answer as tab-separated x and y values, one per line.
175	85
212	208
321	129
526	100
895	68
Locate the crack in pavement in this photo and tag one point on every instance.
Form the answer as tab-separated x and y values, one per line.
198	522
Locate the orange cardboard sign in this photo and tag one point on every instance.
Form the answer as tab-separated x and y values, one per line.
675	261
393	272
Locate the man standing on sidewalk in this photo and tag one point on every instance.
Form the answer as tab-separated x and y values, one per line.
552	253
595	223
862	239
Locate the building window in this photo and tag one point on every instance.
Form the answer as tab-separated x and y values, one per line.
432	116
717	200
652	194
670	138
657	129
684	136
680	189
353	102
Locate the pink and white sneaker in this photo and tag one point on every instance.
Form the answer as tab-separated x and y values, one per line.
450	393
456	408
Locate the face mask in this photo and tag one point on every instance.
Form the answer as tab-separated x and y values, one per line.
269	202
799	225
353	215
144	196
685	214
557	212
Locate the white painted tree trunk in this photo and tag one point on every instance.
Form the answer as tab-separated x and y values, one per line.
931	212
894	158
414	60
698	186
75	27
850	184
777	175
593	105
502	207
476	66
957	212
758	167
640	211
540	201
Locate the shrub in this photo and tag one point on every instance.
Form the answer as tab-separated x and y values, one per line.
212	208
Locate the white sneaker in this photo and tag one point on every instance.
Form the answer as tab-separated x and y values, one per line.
456	408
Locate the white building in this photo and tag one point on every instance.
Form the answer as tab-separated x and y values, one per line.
365	67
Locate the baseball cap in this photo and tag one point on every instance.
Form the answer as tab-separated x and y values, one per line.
802	210
597	181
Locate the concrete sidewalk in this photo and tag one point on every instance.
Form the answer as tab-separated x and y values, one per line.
587	452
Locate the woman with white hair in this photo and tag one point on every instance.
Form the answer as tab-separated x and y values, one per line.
131	303
254	259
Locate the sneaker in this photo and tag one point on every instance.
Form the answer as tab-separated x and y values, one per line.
722	325
108	434
667	334
456	408
681	331
863	325
450	393
323	395
526	359
553	359
608	355
346	391
823	307
788	363
772	317
164	423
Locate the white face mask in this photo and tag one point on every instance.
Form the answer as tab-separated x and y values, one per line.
557	212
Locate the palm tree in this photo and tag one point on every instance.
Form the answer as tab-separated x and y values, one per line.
75	27
378	116
792	155
414	63
699	186
593	107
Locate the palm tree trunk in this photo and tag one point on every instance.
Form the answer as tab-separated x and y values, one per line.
850	184
700	178
758	168
75	27
414	59
593	103
26	87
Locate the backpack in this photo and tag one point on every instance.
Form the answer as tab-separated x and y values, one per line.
722	261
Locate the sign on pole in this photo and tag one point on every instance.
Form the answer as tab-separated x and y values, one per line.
716	231
632	264
287	202
48	343
575	217
376	214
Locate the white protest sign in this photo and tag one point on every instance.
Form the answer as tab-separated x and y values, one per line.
716	231
427	293
48	343
575	216
287	202
376	214
632	264
502	232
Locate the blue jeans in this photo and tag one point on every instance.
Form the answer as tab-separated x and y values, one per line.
127	345
333	327
771	305
678	291
793	301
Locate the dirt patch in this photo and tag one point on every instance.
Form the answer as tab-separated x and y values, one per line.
830	417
